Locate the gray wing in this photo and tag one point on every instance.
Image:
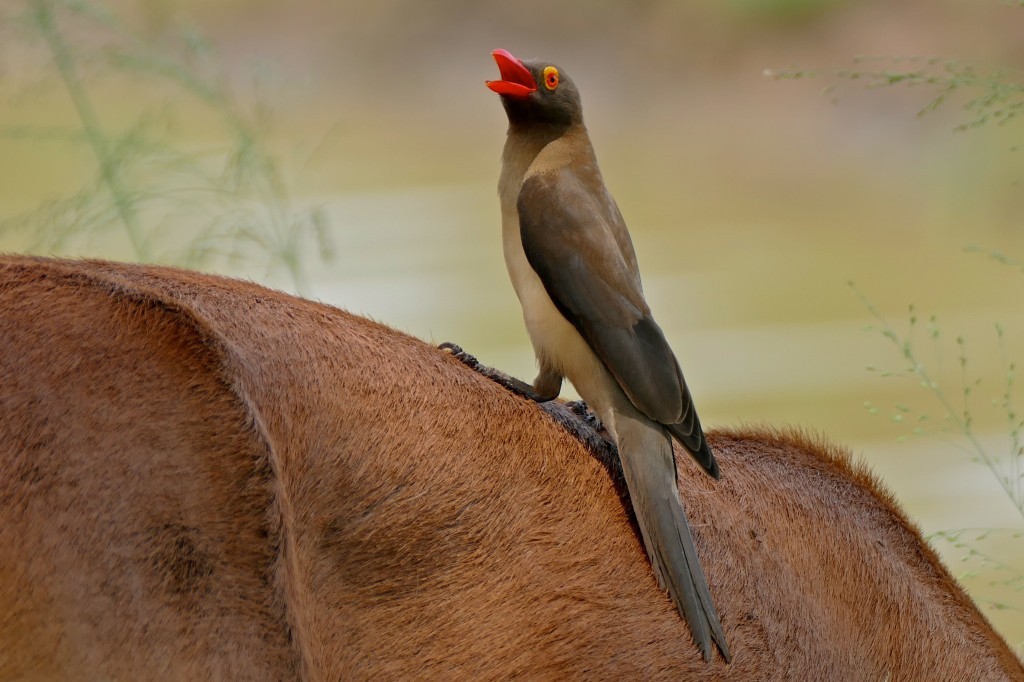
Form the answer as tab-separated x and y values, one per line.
575	240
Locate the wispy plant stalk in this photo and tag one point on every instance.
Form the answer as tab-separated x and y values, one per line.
227	203
42	12
961	419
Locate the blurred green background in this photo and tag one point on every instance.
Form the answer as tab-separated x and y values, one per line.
752	200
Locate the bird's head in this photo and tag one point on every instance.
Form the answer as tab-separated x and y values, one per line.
535	93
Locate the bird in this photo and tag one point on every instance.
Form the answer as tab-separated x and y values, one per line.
573	267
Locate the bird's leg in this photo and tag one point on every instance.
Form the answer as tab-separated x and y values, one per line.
540	392
547	385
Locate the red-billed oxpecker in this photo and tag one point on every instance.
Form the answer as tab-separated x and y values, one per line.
574	270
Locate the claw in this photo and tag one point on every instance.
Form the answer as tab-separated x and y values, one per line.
461	355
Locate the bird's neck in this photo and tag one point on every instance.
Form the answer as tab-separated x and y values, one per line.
523	145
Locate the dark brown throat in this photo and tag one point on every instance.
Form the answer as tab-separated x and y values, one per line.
526	114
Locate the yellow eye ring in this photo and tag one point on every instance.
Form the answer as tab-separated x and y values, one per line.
550	77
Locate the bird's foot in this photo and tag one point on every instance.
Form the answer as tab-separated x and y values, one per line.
461	355
517	386
580	409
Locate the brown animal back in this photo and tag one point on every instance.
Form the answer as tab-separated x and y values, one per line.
214	476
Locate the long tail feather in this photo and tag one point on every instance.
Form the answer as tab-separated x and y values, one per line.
645	449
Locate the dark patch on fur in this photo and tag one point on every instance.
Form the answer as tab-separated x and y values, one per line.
35	467
395	546
179	557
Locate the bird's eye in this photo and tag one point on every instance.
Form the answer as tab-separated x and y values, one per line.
550	77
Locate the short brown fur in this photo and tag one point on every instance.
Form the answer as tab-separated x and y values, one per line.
201	478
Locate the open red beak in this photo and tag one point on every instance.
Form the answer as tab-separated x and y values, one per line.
516	80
